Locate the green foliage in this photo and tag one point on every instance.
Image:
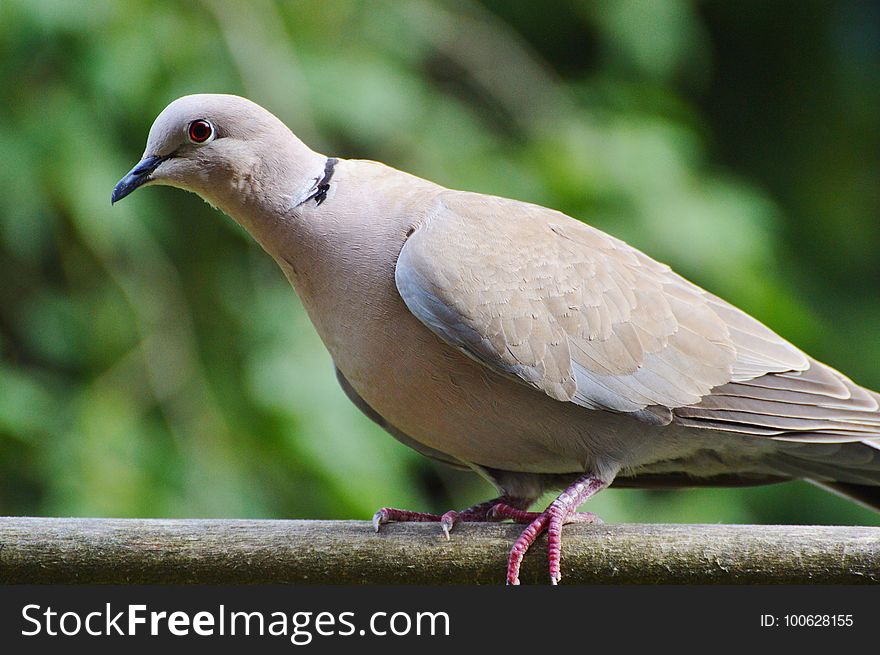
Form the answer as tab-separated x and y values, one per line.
154	363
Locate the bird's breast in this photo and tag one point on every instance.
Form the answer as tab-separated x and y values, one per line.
437	395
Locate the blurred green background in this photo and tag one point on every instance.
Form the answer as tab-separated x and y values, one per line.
153	361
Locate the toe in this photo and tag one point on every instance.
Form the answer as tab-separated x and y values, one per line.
448	521
554	547
380	518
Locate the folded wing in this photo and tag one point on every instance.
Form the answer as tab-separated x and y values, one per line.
584	318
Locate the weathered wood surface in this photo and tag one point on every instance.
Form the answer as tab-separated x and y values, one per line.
55	550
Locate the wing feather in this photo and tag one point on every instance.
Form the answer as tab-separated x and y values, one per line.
575	313
583	317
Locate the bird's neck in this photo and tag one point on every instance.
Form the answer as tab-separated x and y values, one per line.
263	194
340	254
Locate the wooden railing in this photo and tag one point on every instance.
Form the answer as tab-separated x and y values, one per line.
58	550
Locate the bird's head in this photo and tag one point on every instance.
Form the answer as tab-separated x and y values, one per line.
221	147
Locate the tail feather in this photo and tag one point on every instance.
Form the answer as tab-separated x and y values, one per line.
864	495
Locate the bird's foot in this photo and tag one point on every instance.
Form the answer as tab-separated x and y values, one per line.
501	512
560	512
480	512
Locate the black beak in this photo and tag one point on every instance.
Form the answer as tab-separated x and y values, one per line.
137	176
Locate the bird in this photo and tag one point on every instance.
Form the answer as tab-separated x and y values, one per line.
512	340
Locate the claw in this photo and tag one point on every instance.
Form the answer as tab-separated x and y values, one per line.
448	521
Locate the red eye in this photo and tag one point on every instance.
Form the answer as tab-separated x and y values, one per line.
200	131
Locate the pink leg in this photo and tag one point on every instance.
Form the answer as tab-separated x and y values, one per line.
502	511
480	512
560	511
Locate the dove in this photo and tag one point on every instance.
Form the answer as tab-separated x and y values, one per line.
512	340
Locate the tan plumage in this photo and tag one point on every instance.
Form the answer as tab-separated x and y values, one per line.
586	318
512	339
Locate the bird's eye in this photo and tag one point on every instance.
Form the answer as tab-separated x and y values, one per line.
200	131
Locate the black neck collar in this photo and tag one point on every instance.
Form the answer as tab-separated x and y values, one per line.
322	185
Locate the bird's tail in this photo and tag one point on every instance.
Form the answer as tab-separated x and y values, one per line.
850	469
865	495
